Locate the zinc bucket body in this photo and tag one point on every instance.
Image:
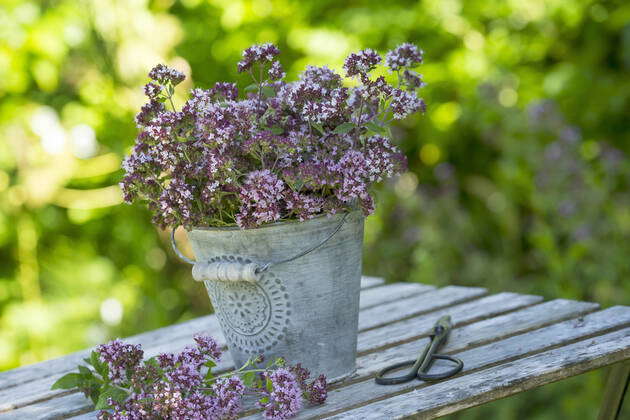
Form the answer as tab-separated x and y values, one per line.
304	309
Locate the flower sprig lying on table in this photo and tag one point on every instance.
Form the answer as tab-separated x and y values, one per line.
183	386
276	150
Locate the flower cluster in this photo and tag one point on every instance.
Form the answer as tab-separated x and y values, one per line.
405	56
183	386
264	53
163	75
277	150
361	63
119	358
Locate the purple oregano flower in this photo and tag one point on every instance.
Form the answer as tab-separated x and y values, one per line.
276	150
183	386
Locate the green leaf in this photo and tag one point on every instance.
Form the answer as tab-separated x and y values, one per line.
318	127
67	381
249	378
152	362
344	128
268	91
100	367
209	364
264	400
375	127
85	372
252	88
94	358
276	130
94	392
108	392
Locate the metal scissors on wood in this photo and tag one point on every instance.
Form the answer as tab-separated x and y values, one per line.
420	366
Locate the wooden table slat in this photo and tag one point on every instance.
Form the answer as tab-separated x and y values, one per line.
416	305
499	381
463	313
392	293
367	282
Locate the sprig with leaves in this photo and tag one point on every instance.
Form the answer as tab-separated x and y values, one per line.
186	385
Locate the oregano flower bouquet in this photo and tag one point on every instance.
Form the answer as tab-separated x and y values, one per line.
275	150
272	184
184	386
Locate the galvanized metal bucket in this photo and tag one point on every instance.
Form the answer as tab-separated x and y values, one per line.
288	289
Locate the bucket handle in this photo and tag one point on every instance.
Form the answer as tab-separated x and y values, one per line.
240	271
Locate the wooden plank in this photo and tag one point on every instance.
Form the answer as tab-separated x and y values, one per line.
56	408
475	359
368	282
161	336
392	293
504	302
411	329
499	381
615	391
413	306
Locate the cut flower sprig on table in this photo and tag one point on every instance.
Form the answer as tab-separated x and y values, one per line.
184	387
275	150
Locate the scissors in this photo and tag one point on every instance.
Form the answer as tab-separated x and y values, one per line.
422	364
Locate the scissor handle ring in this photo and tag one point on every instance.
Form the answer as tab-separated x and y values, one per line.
381	380
443	375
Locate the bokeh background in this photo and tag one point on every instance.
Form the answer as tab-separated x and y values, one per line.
519	170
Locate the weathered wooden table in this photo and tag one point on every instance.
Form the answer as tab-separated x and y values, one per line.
509	343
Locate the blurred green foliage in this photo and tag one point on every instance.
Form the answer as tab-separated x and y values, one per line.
519	170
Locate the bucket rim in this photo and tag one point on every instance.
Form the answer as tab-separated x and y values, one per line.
282	223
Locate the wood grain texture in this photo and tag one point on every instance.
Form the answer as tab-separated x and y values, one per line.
616	389
392	293
367	282
416	305
499	381
412	328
